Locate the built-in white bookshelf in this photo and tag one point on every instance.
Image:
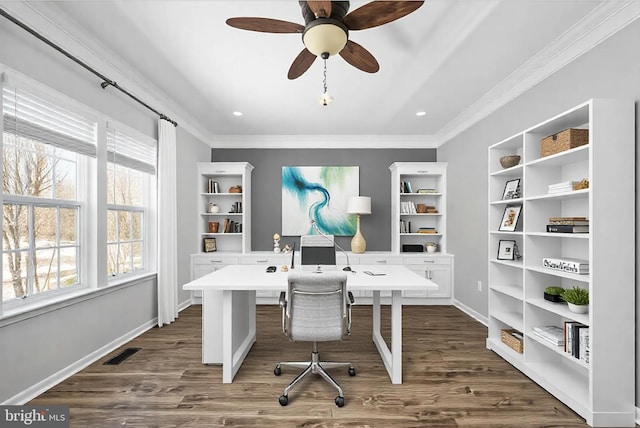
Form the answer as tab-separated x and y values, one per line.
227	186
601	390
416	187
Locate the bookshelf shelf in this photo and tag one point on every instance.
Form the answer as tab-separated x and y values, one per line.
602	391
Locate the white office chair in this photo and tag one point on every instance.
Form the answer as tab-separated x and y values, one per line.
316	308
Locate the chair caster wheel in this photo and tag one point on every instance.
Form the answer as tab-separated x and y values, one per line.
352	371
339	401
284	400
277	371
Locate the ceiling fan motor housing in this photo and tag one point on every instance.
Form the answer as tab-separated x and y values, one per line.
324	37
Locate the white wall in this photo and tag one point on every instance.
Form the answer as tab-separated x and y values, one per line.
610	70
48	345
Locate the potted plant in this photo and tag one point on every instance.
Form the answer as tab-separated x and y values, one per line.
553	294
577	298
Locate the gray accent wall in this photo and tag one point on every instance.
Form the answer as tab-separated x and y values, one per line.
610	70
375	181
46	346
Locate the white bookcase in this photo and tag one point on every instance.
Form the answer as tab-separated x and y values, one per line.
233	207
602	390
408	181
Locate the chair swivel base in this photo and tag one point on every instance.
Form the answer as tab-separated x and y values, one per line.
316	367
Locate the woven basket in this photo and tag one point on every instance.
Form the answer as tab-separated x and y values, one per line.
563	140
512	342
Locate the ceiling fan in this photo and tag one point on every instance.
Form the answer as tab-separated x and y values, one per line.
326	30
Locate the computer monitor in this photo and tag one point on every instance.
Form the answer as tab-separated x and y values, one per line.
317	253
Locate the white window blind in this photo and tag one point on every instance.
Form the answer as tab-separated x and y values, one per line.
29	116
135	152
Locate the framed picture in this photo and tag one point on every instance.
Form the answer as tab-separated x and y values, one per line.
506	250
510	218
209	245
511	189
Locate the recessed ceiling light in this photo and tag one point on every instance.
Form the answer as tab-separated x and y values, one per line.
421	113
237	113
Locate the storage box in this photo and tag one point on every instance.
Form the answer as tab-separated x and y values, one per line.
511	341
563	140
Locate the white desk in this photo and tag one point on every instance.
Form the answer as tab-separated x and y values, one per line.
227	337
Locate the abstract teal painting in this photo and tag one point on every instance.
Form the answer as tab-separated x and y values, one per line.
318	193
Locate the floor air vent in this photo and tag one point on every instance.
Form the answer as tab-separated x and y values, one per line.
121	356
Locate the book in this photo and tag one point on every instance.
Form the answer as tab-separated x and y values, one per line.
567	228
585	348
569	265
575	339
568	221
550	333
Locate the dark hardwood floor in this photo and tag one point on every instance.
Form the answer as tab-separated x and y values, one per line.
450	380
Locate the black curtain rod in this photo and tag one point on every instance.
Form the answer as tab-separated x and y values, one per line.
105	80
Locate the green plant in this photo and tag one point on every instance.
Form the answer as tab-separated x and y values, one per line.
554	291
576	296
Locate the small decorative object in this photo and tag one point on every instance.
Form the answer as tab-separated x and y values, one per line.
284	268
431	247
510	218
276	243
511	189
213	208
553	294
235	189
506	249
286	249
577	298
213	226
209	245
233	209
509	161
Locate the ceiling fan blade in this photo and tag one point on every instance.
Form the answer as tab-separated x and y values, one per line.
322	9
378	13
265	25
301	64
359	57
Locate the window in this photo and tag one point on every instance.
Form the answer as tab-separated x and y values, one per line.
45	149
131	169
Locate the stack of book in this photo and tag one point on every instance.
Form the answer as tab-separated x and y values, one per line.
427	191
565	186
405	226
576	340
230	226
405	187
431	209
568	225
550	333
408	207
427	230
566	264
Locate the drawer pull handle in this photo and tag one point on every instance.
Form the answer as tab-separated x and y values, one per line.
381	261
216	261
262	261
429	261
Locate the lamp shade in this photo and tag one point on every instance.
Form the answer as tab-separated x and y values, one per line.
359	205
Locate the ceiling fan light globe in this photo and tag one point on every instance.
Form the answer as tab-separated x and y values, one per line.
324	38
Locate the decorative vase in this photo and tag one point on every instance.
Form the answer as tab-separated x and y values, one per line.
358	243
213	208
431	247
578	309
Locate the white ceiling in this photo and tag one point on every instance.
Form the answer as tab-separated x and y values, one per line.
453	59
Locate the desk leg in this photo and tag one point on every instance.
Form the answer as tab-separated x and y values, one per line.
392	358
238	330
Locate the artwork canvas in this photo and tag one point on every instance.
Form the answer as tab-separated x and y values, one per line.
318	193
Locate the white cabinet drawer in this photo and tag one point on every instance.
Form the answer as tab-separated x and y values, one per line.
380	260
266	259
215	260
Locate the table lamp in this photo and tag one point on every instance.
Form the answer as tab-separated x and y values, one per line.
358	205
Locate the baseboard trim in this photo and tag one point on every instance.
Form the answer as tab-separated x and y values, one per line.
53	380
473	314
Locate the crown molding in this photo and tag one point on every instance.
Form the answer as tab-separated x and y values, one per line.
323	142
604	21
55	26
